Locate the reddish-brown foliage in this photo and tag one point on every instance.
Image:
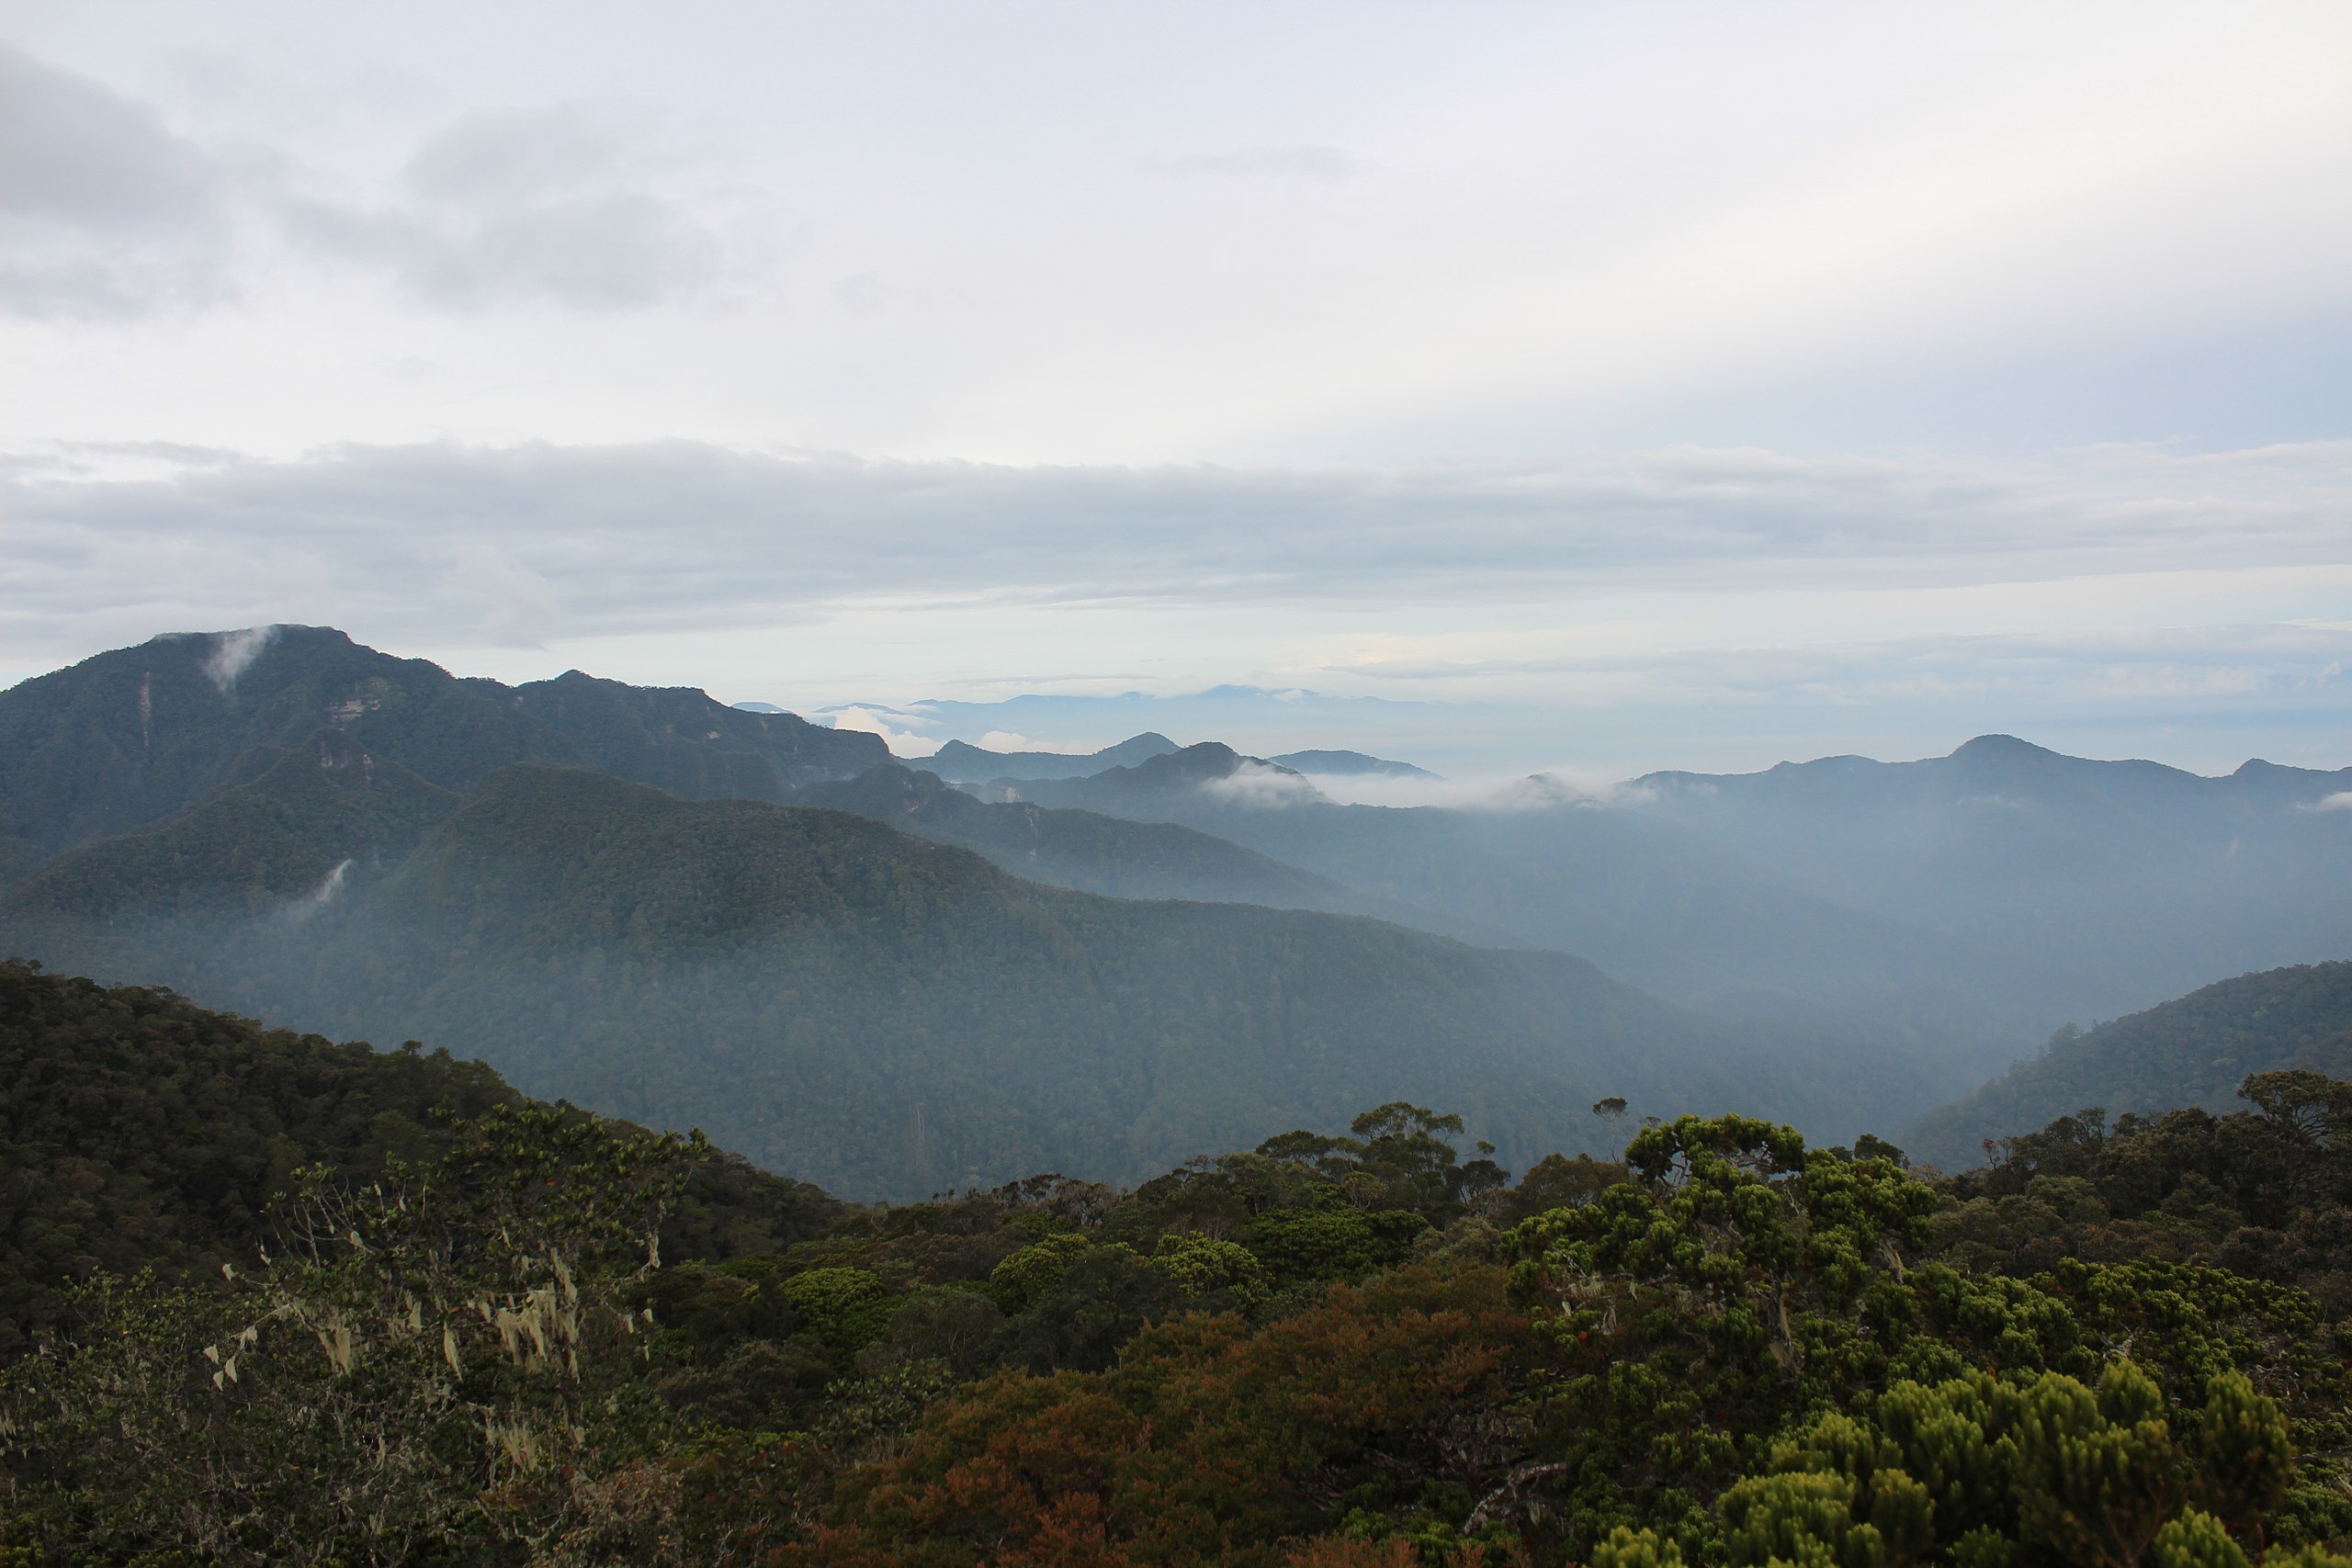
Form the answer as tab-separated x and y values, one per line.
1208	1444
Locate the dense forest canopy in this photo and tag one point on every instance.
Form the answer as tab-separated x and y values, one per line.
360	1307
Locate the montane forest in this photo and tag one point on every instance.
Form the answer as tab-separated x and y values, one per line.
1175	783
577	1124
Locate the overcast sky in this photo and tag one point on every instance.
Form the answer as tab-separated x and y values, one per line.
1605	386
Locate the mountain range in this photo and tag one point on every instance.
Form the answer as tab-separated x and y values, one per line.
853	970
1957	909
836	997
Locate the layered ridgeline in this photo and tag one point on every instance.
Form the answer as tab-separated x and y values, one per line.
1082	849
962	762
1959	909
831	996
2192	1051
129	737
883	1014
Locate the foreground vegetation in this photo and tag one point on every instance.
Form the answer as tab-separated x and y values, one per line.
280	1301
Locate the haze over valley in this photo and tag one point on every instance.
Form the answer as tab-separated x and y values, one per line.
989	784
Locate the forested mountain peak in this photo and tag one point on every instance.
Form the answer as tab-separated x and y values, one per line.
128	737
686	741
1211	765
972	764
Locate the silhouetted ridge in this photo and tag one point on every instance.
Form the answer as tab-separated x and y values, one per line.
972	764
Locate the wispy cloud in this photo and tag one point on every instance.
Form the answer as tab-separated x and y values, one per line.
105	212
111	213
564	205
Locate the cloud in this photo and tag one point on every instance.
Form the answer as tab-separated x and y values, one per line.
104	212
1263	785
558	206
661	536
516	606
1326	166
2340	802
234	653
876	721
1762	587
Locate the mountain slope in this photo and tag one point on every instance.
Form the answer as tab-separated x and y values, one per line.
2148	879
1649	901
126	738
2191	1050
1081	850
289	832
140	1131
891	1016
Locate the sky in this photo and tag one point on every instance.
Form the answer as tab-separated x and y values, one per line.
1586	386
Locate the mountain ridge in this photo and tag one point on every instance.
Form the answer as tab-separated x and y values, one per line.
887	1015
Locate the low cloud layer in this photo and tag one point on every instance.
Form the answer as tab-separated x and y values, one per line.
1713	590
535	541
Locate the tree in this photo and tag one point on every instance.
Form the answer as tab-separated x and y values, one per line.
1610	1111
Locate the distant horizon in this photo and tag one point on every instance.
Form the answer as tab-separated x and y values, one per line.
1459	741
1691	385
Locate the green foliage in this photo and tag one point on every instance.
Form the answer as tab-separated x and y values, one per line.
446	1334
2264	1190
499	1346
1031	1274
141	1131
144	1132
1213	1268
2194	1050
